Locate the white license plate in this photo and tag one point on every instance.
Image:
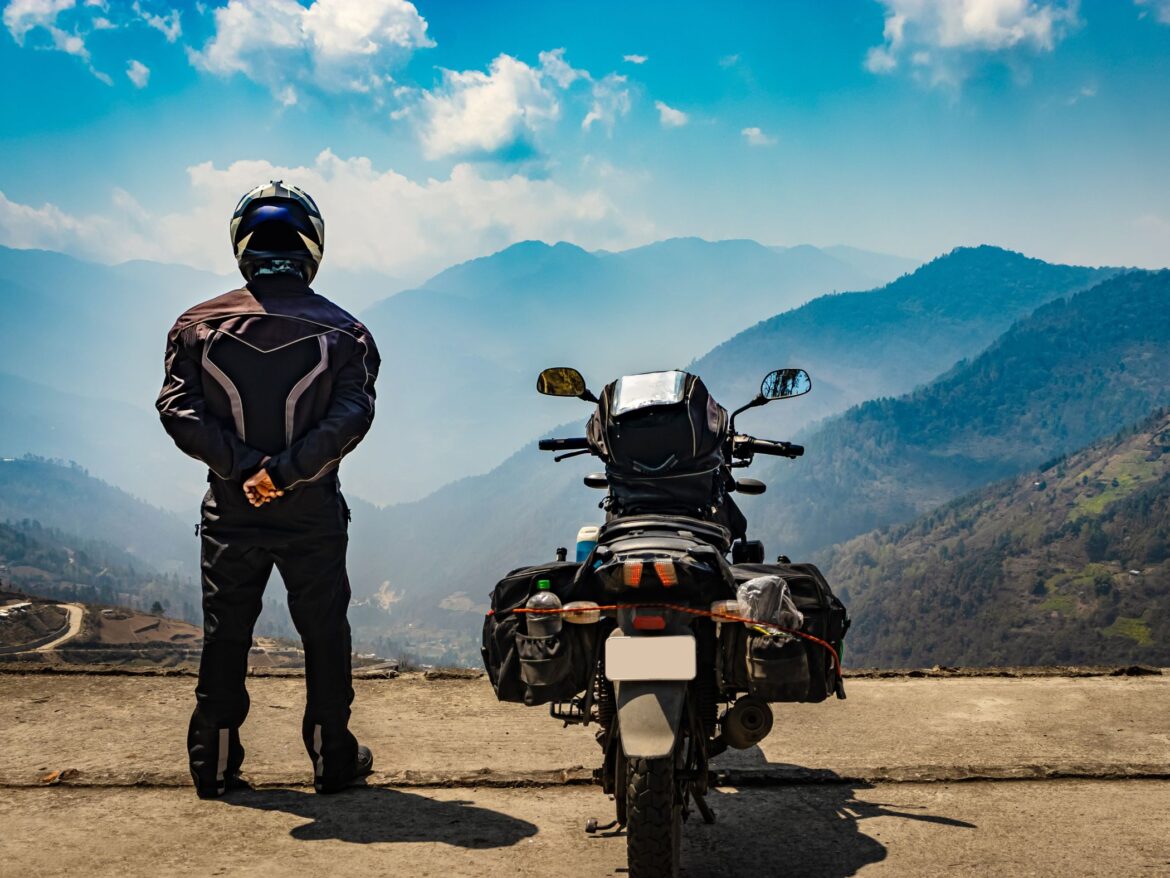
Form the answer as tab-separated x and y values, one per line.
650	658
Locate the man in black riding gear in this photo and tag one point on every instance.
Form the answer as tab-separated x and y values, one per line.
271	385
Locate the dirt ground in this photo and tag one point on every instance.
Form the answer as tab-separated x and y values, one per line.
908	777
1053	828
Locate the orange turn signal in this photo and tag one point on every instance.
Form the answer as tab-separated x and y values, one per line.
667	574
632	574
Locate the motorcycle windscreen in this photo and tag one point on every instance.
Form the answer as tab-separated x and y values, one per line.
635	392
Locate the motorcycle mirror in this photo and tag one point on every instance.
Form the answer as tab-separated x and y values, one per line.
785	383
563	381
596	480
750	486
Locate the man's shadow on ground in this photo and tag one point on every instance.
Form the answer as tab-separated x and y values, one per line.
368	815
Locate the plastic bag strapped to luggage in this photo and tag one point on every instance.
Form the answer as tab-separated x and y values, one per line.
779	668
660	435
536	670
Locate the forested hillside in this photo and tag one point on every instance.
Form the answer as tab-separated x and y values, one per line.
49	563
1069	563
65	534
67	498
1075	371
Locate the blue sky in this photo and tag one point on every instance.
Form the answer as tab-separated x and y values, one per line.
438	131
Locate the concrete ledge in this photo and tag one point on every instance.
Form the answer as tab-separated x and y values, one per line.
772	776
98	669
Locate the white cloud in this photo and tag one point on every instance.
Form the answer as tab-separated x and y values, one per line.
22	16
941	37
729	60
138	73
169	25
756	137
611	99
554	66
669	116
1161	9
332	45
104	238
635	59
375	219
473	113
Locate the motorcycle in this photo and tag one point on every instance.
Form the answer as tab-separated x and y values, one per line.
660	650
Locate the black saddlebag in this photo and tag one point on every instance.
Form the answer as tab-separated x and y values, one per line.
536	670
777	669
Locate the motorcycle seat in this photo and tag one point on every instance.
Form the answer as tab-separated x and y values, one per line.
675	526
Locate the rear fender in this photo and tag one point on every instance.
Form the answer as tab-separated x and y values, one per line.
649	716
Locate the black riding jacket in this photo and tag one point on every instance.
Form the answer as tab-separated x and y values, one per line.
272	370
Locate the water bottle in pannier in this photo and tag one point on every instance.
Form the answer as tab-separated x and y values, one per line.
543	624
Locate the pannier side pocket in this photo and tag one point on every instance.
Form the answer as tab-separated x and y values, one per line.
778	668
544	661
500	659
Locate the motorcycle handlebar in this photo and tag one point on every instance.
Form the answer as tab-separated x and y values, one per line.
581	444
765	446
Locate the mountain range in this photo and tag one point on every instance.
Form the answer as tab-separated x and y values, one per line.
460	354
873	465
975	367
81	347
1074	371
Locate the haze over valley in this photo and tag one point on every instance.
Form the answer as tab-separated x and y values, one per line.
941	379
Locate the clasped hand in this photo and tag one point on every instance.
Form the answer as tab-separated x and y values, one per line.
259	489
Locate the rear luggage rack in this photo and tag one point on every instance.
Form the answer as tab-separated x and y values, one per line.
687	528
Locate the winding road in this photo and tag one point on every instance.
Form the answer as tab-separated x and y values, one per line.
76	616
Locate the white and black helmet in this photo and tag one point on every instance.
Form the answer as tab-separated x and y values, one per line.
277	221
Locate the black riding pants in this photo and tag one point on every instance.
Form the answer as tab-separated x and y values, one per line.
303	535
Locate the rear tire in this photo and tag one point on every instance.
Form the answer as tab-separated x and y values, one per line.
654	819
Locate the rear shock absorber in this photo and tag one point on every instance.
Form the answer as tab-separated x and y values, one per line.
706	686
706	699
603	696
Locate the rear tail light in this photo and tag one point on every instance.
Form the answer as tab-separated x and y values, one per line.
649	623
632	574
667	574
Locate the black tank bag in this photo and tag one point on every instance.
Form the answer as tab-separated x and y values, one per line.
536	670
798	670
661	458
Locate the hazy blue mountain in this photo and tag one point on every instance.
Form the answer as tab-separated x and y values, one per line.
461	352
1075	371
858	346
120	443
879	265
93	330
